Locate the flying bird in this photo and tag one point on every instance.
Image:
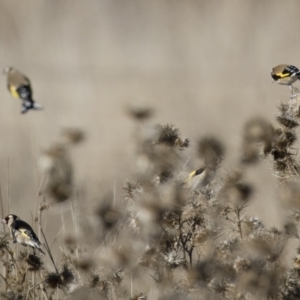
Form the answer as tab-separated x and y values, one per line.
19	86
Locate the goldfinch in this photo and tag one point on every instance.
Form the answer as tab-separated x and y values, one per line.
285	74
19	86
200	178
22	232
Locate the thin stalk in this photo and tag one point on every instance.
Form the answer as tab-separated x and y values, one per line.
8	191
5	281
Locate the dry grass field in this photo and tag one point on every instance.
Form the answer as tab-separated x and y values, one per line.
202	67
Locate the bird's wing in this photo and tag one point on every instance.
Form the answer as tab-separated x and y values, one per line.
17	79
25	229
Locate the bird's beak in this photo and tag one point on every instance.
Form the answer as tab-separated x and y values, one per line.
191	175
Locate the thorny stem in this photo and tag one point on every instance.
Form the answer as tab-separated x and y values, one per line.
184	243
181	236
239	222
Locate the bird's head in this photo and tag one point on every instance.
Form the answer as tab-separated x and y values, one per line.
6	70
9	219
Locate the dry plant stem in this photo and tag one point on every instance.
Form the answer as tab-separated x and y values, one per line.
75	223
114	194
38	203
2	210
12	258
43	292
5	281
49	251
24	277
8	191
63	226
40	220
181	237
4	230
33	287
42	286
41	185
184	243
239	221
33	284
27	293
131	286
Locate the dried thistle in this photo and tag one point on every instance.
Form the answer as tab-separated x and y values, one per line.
241	264
257	131
67	275
4	242
168	135
296	263
107	213
131	189
287	122
60	280
84	264
53	280
33	262
73	136
140	113
235	193
11	295
173	259
211	150
94	280
56	164
290	285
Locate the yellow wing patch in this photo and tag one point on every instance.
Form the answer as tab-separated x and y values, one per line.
191	175
283	75
24	232
13	91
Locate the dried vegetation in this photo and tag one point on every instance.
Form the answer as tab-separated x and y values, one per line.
160	239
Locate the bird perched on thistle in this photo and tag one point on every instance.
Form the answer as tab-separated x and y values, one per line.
285	74
19	86
201	177
22	232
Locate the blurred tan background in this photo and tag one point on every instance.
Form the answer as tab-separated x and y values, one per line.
204	66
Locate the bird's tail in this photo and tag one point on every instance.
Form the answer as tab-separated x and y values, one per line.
37	106
38	247
30	105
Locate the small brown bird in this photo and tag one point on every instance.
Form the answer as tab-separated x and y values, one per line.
285	74
200	178
19	86
22	232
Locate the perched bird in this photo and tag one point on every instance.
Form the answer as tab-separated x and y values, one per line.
200	178
285	74
22	232
19	86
